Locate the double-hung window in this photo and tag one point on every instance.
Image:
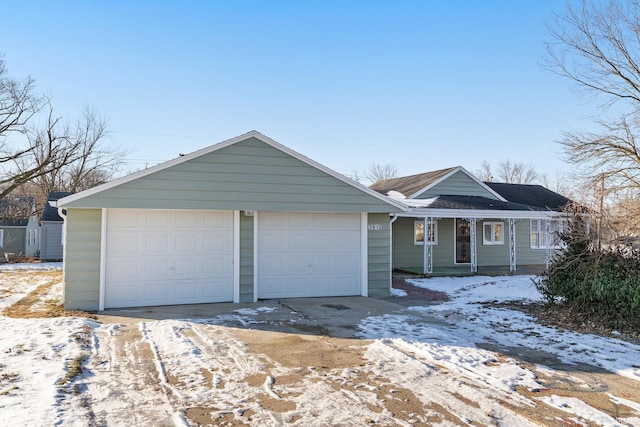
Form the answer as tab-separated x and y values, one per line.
418	233
545	233
493	233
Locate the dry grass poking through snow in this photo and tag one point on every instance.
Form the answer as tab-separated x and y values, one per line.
42	302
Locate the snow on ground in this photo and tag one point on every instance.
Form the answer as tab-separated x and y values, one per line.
463	324
441	356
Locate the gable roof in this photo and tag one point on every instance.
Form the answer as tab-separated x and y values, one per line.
409	185
532	195
115	189
50	213
414	185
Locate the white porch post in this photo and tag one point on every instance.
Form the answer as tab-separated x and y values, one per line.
425	249
472	232
512	244
545	236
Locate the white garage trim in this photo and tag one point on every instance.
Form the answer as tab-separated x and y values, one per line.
236	256
256	236
364	257
103	258
311	254
168	256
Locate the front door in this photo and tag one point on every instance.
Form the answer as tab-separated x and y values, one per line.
463	241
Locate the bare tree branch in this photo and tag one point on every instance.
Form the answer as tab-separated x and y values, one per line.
379	172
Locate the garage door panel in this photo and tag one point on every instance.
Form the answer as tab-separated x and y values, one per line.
156	243
155	268
124	243
308	254
156	293
347	240
188	290
186	242
186	220
156	219
322	241
186	267
158	263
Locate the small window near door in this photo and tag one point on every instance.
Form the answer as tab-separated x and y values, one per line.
418	233
493	233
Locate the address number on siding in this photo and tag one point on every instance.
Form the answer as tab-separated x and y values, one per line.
375	227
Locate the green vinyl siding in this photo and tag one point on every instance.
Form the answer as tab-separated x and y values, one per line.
492	255
444	251
409	256
247	175
82	259
246	258
458	184
524	254
379	270
406	255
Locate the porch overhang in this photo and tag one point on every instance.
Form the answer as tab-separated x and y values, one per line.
475	213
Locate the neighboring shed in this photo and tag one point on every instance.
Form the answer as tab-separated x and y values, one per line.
51	229
18	226
239	221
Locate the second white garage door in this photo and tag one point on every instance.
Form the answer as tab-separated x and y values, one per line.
161	257
308	254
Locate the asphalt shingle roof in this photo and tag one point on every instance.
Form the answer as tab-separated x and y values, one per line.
477	202
49	213
532	195
409	185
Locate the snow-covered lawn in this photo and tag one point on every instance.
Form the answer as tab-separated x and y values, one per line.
454	363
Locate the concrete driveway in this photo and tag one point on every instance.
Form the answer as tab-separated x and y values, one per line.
335	316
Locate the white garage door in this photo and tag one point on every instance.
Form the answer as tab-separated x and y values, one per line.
308	254
160	257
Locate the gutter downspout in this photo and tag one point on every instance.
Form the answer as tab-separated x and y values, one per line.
63	215
394	217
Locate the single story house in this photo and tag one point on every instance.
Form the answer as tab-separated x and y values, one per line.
18	227
242	220
469	225
51	224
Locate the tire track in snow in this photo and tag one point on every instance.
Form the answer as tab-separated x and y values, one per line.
126	389
466	399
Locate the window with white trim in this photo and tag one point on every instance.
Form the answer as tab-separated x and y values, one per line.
493	233
545	233
418	233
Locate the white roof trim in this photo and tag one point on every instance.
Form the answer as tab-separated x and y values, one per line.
454	171
252	134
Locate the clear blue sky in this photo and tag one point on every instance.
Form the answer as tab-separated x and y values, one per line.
421	85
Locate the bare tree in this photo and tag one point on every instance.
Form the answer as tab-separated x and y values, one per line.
18	103
560	182
80	158
597	46
485	173
512	173
51	154
378	172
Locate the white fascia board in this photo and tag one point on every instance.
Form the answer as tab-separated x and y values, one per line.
466	213
221	145
454	171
